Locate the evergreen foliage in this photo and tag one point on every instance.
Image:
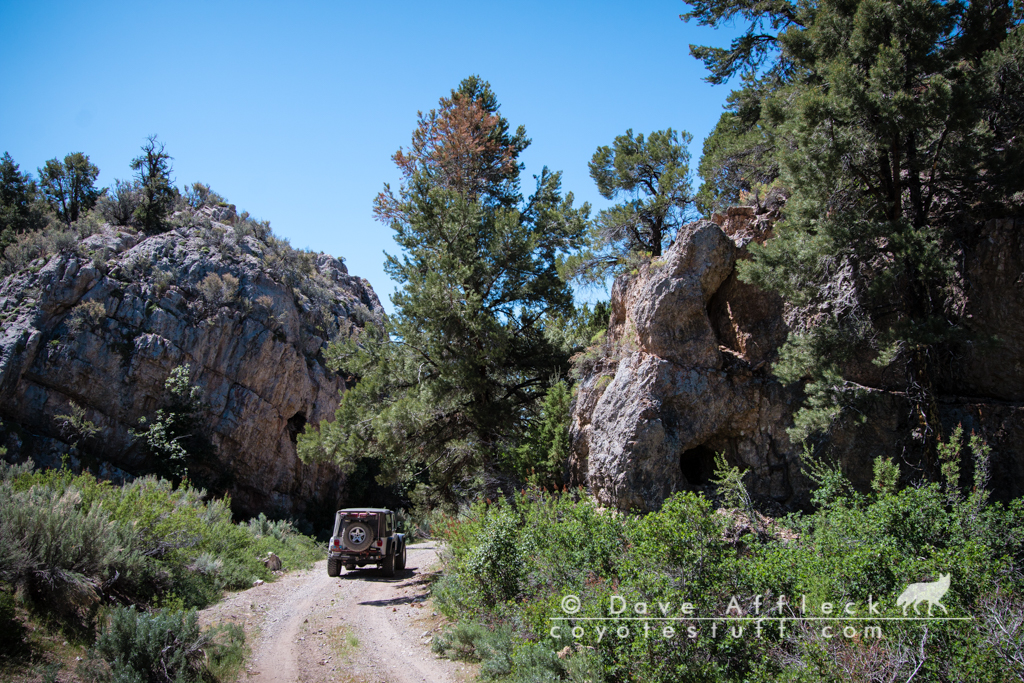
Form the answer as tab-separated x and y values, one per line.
449	383
543	455
740	156
19	212
654	174
728	482
155	187
894	125
69	186
575	331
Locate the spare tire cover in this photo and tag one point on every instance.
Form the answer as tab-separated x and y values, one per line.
357	536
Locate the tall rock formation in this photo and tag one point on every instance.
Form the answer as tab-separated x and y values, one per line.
104	323
685	372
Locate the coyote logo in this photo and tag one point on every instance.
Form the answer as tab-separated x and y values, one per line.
930	592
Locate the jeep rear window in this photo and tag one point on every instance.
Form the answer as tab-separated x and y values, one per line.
342	517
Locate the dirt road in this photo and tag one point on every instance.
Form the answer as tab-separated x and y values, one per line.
360	627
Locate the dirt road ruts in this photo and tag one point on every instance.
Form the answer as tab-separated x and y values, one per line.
356	628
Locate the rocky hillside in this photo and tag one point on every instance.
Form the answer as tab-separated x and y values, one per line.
103	323
685	372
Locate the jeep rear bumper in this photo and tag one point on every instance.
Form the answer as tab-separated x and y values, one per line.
350	556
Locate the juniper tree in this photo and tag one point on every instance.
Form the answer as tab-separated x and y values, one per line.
447	383
895	125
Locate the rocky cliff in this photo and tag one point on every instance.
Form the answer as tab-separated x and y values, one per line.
685	372
104	323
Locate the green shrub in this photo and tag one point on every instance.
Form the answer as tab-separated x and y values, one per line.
497	564
174	439
199	195
460	642
227	652
535	663
584	666
263	526
119	203
84	315
855	547
219	290
161	647
30	246
71	540
58	549
475	642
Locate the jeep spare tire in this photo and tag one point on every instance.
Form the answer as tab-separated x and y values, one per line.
358	536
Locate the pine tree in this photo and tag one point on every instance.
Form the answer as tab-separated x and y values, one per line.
653	174
447	384
69	186
542	457
18	211
156	189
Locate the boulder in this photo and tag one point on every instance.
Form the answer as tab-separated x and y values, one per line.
272	562
684	373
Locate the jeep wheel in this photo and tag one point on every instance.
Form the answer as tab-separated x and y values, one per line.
400	560
333	567
389	565
358	536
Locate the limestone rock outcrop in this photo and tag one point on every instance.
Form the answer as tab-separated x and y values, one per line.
104	324
685	372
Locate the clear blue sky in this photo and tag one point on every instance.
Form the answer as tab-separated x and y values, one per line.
293	110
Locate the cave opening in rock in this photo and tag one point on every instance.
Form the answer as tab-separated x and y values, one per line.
296	425
698	465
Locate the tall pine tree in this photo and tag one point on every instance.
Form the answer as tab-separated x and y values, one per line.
446	385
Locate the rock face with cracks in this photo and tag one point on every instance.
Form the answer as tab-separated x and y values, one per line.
104	324
685	372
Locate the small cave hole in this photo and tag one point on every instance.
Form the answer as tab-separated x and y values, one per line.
698	465
296	425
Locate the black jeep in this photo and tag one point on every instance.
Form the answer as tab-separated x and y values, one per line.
365	536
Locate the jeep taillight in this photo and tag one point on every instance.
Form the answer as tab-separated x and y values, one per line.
337	542
380	542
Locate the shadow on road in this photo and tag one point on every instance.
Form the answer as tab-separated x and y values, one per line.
394	602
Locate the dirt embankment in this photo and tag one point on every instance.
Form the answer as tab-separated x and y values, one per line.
356	628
